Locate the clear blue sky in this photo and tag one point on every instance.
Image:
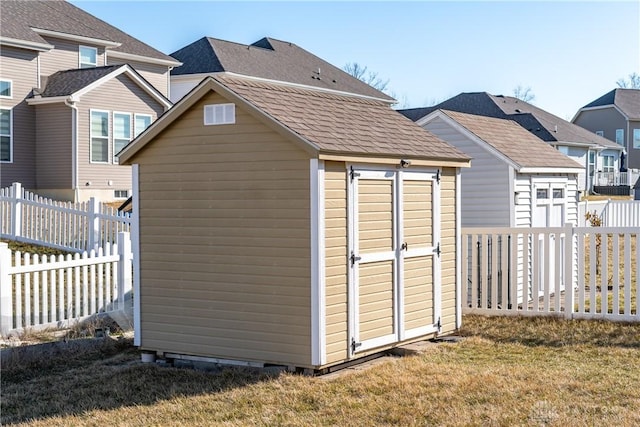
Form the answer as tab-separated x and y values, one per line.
568	52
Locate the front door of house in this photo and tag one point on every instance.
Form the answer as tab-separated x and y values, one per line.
394	291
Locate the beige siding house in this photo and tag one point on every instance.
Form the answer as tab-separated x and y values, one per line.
52	55
284	224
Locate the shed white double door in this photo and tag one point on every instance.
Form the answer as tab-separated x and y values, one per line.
394	274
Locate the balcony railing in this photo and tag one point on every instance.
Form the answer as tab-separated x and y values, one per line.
610	179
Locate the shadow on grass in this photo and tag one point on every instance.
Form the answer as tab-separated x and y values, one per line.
60	379
552	332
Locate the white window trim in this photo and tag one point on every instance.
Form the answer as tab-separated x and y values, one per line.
10	136
600	133
228	113
80	47
613	163
113	133
91	111
633	143
10	89
135	116
622	139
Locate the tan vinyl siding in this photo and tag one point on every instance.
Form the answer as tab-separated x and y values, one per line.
157	75
54	154
122	95
375	300
417	213
225	241
64	56
375	216
336	287
418	292
448	247
20	66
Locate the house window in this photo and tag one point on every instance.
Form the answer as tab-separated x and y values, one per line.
542	193
620	136
607	164
558	193
6	146
143	121
121	132
120	194
6	90
99	137
600	132
219	114
564	150
636	138
88	57
592	163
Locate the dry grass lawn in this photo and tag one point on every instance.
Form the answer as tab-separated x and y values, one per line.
507	371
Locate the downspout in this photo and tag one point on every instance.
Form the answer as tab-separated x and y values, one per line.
71	103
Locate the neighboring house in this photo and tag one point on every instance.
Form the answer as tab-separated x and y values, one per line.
73	91
615	116
592	152
291	225
515	179
267	58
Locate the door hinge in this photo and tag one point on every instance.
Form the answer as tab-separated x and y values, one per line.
437	250
353	174
438	176
353	258
438	325
354	345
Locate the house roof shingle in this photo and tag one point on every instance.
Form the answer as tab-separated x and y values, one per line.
627	100
271	59
539	122
331	122
509	138
68	82
19	18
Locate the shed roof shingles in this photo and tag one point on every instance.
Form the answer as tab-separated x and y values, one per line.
539	122
509	138
338	123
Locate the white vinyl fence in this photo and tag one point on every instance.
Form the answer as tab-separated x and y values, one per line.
614	213
27	217
585	272
53	291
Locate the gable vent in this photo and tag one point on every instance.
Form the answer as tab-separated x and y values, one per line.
219	114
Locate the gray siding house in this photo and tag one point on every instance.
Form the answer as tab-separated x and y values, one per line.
615	116
73	91
591	151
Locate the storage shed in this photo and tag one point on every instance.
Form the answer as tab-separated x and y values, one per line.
517	180
290	225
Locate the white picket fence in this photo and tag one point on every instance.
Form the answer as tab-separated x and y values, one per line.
614	213
55	291
27	217
584	272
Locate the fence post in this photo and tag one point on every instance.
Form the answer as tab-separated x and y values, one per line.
16	211
93	225
569	268
124	268
6	291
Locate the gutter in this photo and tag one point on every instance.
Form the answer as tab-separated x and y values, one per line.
71	103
